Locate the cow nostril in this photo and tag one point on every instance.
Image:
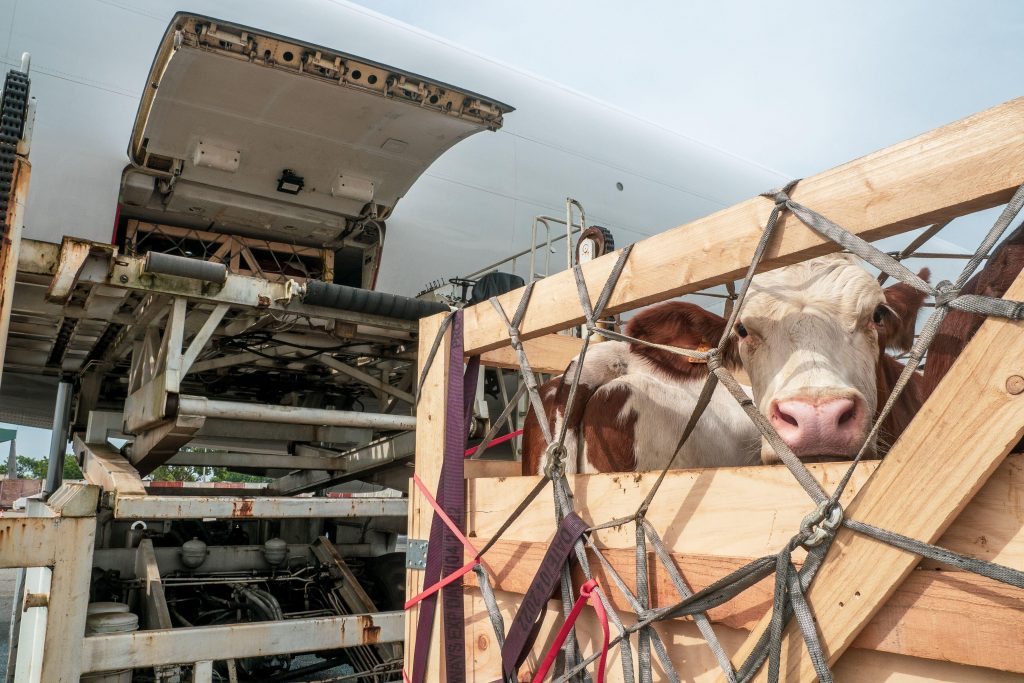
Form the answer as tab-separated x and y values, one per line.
786	417
848	415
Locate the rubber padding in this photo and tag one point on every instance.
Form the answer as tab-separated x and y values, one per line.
358	300
182	266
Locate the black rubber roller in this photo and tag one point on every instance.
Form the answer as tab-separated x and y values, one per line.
182	266
358	300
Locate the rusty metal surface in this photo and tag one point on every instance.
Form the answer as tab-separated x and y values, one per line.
221	507
10	240
186	645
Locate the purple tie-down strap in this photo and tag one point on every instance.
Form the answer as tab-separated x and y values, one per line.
523	630
444	550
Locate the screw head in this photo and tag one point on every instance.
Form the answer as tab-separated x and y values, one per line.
124	279
1015	384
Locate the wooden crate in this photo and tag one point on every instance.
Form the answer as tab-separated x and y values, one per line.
947	480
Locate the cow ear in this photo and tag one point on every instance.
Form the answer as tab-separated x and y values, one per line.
899	321
680	324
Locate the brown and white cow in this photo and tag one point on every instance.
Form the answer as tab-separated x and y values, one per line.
812	338
959	327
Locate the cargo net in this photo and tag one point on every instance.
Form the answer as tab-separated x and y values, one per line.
816	533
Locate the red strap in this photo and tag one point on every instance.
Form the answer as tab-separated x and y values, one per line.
500	439
586	590
454	576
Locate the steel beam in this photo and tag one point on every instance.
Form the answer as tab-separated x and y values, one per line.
261	507
103	466
128	272
143	649
58	438
262	461
58	534
219	558
367	379
231	410
350	465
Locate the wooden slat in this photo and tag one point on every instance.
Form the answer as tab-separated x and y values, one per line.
734	511
697	512
691	655
430	422
550	354
965	166
955	442
953	616
476	469
698	515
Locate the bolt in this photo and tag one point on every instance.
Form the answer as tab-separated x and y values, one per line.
124	279
1015	384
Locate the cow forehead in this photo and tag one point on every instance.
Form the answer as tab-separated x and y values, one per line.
836	285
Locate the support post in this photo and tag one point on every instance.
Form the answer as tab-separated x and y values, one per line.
58	438
12	459
430	419
202	672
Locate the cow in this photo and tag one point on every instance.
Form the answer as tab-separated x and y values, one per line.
811	337
959	327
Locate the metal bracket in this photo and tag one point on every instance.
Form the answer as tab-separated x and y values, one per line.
416	554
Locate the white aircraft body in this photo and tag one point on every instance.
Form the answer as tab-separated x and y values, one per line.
475	204
94	71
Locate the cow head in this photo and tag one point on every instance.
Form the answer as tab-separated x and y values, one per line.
810	336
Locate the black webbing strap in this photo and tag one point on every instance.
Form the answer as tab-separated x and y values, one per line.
444	550
523	630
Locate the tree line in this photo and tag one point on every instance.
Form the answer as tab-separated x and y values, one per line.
31	468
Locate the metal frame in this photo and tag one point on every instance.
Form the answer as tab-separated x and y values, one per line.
124	493
58	535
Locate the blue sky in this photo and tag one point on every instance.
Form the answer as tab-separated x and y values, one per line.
799	86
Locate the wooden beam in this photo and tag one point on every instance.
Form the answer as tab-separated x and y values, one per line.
430	425
952	616
966	166
696	510
550	354
690	654
955	442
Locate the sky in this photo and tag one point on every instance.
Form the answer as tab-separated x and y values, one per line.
798	86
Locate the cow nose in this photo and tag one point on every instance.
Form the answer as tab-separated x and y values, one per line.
821	427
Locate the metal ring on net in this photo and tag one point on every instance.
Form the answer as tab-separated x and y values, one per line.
554	460
821	523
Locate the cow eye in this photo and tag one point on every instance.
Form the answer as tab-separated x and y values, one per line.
879	315
741	330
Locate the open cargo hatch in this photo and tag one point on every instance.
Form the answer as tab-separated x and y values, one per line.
244	132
